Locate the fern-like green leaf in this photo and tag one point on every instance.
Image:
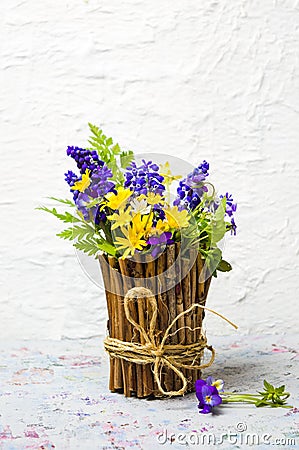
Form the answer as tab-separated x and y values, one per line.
110	153
66	217
66	234
87	240
77	232
126	158
87	246
65	201
92	246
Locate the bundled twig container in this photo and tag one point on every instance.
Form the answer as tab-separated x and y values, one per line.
172	298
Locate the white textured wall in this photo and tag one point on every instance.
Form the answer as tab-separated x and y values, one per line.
198	79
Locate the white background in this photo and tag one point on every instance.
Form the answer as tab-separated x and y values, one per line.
215	80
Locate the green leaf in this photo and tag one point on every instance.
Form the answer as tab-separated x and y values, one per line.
109	153
106	247
64	201
66	217
87	246
260	403
218	223
280	390
224	266
126	158
116	149
212	258
87	240
77	232
269	387
93	246
66	234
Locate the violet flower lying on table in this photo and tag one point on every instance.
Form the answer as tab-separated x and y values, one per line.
207	393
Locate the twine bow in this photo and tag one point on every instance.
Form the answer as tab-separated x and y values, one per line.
174	356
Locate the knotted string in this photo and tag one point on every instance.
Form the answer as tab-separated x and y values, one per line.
174	356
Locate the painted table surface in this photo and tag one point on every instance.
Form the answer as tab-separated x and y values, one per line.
54	394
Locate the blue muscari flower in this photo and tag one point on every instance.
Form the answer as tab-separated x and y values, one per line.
99	187
144	179
159	214
233	226
85	159
71	178
192	188
231	207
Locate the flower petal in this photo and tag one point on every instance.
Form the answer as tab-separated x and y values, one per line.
206	409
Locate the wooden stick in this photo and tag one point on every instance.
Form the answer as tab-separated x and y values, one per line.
197	313
193	292
200	262
143	316
186	289
140	369
179	296
170	276
170	254
129	331
118	372
150	273
201	278
128	375
180	325
111	321
162	304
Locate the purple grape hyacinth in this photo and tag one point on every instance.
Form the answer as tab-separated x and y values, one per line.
85	159
192	188
231	207
71	178
144	179
99	187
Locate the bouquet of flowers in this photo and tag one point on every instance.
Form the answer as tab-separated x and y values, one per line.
124	213
122	208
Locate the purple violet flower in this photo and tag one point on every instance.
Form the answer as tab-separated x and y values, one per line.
159	242
207	395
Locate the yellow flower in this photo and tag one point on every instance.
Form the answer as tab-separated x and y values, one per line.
142	223
152	198
114	201
121	219
83	183
166	173
161	227
131	242
176	218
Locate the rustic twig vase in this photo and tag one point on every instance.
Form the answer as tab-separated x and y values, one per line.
177	285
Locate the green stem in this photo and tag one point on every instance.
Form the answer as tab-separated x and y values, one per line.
236	400
236	394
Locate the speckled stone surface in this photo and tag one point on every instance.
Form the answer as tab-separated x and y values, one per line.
54	394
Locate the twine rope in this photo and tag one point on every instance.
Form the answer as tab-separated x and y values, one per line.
174	356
